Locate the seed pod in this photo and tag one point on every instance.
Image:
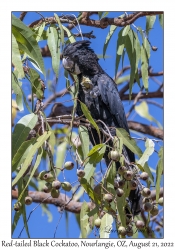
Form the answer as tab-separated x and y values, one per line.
66	186
133	185
122	170
129	231
146	192
116	184
69	165
80	173
144	176
41	175
122	231
154	211
121	183
139	224
114	155
47	187
48	177
160	201
56	184
108	197
148	206
146	200
102	214
154	48
17	206
128	175
97	222
28	200
157	228
55	193
119	192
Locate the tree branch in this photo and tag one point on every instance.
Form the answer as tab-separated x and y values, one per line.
22	15
103	23
61	201
156	94
146	129
72	206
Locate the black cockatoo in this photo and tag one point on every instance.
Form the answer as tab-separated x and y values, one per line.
99	92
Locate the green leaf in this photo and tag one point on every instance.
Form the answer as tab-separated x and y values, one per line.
16	57
61	28
141	32
137	49
122	79
120	48
159	170
128	141
85	184
95	149
129	45
144	68
161	20
147	47
26	41
38	160
40	30
84	137
98	155
84	223
52	139
150	20
15	220
87	114
20	152
140	167
69	34
100	13
60	156
89	170
53	42
131	144
126	30
21	131
106	225
149	144
32	152
108	38
36	84
143	110
23	210
16	86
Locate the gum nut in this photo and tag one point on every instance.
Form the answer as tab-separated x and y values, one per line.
148	206
146	192
139	224
55	193
108	197
41	174
128	175
47	187
144	176
28	200
66	186
97	222
56	184
69	165
160	201
80	173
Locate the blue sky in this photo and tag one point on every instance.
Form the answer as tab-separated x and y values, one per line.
38	224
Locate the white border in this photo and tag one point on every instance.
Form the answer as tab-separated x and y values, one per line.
5	95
